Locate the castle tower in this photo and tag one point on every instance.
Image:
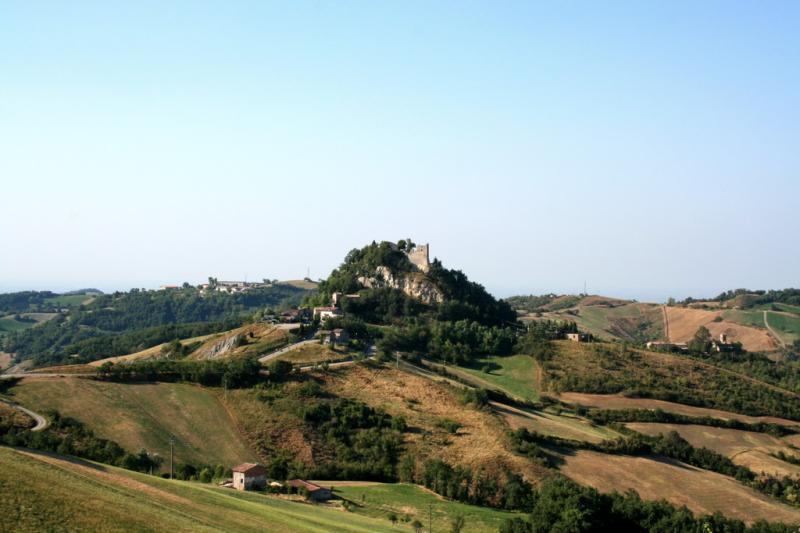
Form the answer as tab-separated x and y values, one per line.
420	257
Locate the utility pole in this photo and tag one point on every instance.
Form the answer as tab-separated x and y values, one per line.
430	518
171	457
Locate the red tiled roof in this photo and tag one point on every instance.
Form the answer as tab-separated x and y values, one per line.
298	483
250	469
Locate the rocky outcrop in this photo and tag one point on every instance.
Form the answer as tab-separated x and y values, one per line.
414	284
220	348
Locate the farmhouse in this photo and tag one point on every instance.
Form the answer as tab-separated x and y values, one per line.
321	313
660	346
314	491
579	337
337	336
249	476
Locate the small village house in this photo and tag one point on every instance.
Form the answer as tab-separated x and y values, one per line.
337	336
321	313
249	476
313	491
579	337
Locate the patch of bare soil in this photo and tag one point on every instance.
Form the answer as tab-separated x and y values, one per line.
684	323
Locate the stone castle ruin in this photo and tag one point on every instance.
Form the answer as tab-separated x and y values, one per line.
420	257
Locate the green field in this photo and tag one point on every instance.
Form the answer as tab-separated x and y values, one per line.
143	416
787	326
410	502
745	318
8	324
50	493
515	374
632	322
67	300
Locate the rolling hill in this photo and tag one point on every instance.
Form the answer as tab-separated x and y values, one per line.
613	319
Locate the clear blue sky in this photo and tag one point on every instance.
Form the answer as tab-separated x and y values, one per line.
650	149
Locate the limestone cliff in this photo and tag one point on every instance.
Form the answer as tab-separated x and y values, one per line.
414	284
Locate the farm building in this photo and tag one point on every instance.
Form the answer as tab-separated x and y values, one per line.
322	313
579	337
337	336
660	346
314	491
249	476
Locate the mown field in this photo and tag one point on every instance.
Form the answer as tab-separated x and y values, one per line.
656	478
745	448
144	416
51	493
514	374
410	502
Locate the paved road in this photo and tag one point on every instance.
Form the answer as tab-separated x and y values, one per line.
41	422
774	333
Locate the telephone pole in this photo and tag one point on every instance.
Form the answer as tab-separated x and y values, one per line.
171	457
430	518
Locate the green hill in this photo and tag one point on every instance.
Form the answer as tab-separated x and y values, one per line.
45	492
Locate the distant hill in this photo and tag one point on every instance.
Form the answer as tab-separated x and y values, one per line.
126	322
740	316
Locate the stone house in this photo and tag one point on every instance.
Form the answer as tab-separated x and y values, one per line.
249	476
315	492
578	337
337	336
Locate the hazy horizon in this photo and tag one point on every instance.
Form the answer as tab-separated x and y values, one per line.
647	150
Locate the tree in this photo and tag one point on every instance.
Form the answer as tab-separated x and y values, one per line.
457	524
701	342
417	525
392	518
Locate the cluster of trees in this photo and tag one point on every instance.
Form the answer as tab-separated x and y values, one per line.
454	342
786	296
562	505
465	485
68	436
464	299
122	323
609	416
360	442
231	373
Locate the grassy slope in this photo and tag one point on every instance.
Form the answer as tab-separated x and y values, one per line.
49	493
787	326
380	499
514	374
631	322
313	353
144	415
8	324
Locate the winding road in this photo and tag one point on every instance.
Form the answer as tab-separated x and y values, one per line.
41	422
